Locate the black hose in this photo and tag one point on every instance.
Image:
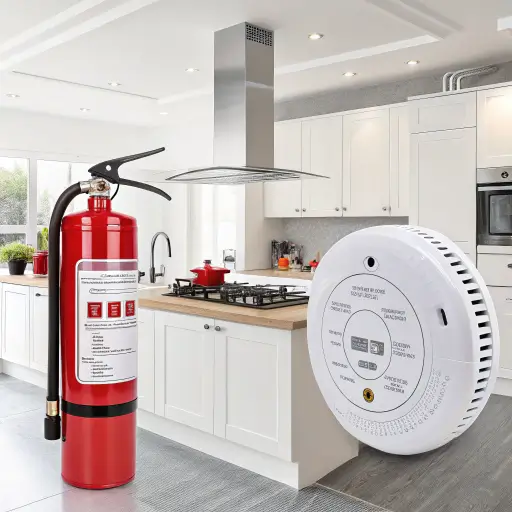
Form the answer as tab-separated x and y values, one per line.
52	422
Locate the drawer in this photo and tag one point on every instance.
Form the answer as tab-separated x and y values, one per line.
443	113
496	269
502	298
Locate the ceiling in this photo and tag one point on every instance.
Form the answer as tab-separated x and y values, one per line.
60	55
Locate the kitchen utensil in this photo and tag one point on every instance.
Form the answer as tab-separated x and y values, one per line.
209	275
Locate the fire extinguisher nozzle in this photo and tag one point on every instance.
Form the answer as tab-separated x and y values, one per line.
52	428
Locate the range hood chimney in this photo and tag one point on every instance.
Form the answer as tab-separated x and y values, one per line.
243	111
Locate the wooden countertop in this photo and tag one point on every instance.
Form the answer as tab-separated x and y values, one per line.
270	272
26	280
288	318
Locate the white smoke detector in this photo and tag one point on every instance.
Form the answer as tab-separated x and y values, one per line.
403	338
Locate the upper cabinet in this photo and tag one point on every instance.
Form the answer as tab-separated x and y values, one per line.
443	113
283	198
366	164
494	138
322	154
399	161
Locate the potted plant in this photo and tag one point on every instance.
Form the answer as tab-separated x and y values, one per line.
17	255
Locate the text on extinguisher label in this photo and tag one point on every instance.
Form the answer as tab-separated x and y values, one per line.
107	326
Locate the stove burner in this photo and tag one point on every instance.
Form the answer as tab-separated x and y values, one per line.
239	294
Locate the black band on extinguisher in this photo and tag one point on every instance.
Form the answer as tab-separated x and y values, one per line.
98	411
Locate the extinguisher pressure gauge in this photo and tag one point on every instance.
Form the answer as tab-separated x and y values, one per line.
403	338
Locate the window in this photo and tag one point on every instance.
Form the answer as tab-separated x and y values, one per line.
29	188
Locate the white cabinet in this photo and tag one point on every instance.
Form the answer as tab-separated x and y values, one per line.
443	113
502	298
495	127
443	183
15	324
39	329
283	199
252	387
146	360
366	164
184	364
399	161
322	154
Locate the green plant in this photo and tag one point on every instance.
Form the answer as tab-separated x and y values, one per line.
42	239
16	251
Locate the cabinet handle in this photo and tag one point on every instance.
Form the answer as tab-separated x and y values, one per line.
303	209
206	326
217	328
509	265
344	208
38	295
337	209
297	210
384	208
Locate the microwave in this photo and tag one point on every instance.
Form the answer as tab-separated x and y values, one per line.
494	206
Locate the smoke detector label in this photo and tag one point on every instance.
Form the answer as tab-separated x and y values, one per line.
372	339
106	347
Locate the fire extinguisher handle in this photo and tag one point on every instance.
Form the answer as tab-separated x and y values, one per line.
144	186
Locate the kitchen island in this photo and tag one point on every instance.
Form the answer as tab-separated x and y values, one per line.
233	382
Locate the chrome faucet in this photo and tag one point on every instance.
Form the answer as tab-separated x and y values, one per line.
152	273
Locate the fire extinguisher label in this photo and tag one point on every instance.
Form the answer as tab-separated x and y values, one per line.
106	348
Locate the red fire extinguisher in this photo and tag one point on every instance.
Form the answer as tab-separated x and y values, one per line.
93	303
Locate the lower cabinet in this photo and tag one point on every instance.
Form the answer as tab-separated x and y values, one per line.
232	380
502	298
15	324
146	360
184	369
39	329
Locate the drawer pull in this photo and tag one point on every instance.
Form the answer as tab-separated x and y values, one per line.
38	295
509	265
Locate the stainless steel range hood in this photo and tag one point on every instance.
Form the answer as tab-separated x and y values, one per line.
243	111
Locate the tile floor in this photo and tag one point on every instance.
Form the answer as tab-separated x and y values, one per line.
170	477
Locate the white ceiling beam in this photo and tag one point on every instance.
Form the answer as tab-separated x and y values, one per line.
418	16
356	54
76	31
49	24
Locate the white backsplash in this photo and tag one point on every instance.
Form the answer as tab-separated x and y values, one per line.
320	234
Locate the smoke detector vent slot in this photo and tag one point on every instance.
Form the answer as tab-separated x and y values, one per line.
259	35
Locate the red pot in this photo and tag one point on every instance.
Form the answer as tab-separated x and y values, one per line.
208	275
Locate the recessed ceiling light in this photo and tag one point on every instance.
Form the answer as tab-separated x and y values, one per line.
10	95
413	62
163	113
191	70
114	84
83	109
315	36
349	73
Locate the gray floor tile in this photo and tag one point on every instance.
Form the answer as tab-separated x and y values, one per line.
17	397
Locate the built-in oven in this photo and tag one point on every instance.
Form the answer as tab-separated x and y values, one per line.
494	206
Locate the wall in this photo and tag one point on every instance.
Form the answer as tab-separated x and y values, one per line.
56	137
320	234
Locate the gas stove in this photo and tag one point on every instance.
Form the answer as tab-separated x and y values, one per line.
239	294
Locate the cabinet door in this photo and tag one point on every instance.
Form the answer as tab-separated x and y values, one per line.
366	164
443	182
184	357
283	199
39	329
399	161
252	387
146	360
502	298
322	154
15	324
495	127
447	112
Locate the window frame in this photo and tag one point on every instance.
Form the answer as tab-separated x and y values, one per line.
31	227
